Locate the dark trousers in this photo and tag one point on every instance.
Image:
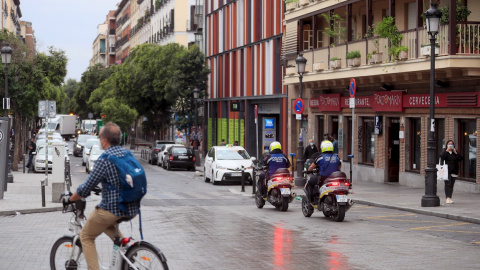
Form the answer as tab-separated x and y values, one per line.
314	180
30	157
262	183
449	186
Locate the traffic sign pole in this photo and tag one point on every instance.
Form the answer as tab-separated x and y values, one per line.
352	90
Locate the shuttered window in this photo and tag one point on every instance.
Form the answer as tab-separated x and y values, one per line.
412	13
290	44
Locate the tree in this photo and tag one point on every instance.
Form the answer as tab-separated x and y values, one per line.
30	79
190	72
69	89
90	81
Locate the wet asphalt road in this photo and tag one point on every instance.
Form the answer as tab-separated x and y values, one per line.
201	226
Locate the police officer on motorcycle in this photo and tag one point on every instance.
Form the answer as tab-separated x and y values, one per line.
327	163
273	161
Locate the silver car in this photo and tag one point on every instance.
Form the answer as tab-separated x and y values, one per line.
95	153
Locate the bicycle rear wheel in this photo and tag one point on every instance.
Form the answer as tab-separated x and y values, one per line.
61	255
145	256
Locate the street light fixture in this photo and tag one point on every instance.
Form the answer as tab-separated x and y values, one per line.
301	63
6	52
430	199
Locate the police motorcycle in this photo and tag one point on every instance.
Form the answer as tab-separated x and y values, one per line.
331	198
279	188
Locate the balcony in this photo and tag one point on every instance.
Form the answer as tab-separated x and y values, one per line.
319	62
111	32
111	50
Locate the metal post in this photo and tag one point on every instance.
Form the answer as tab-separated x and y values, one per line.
46	150
24	162
254	180
8	159
430	199
300	146
43	193
243	179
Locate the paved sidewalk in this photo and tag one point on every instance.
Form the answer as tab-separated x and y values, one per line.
24	196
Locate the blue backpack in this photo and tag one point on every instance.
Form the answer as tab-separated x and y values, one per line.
133	180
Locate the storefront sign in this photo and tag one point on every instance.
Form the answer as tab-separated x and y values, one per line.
441	100
360	102
329	102
387	102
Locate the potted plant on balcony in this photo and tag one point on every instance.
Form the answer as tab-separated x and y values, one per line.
335	63
425	49
401	53
319	66
376	56
353	58
290	70
290	5
304	2
335	30
388	29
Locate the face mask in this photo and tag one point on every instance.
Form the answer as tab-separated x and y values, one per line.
311	143
450	146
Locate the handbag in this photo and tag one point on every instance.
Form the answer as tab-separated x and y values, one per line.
442	171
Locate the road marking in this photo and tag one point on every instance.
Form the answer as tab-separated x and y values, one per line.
448	225
452	231
476	243
378	217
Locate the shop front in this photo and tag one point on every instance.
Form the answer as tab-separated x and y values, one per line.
390	133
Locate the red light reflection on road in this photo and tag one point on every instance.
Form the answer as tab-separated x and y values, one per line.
336	260
282	246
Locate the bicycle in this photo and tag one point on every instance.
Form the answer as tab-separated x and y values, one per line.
125	254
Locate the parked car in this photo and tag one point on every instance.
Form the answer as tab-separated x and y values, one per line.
224	163
80	143
39	159
86	150
179	157
95	153
156	146
163	153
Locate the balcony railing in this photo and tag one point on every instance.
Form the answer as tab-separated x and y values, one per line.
468	39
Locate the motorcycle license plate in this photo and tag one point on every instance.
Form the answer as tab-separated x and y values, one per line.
285	191
342	198
236	174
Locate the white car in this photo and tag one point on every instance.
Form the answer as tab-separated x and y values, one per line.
86	150
95	153
224	163
39	159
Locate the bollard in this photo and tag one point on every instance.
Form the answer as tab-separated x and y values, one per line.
254	181
293	164
23	163
351	165
243	179
43	193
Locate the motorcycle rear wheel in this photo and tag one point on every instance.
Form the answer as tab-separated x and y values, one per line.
307	209
284	206
340	216
325	213
259	199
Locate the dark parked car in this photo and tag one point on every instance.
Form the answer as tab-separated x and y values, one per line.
180	157
80	143
156	146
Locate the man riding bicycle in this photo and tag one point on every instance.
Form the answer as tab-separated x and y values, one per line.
106	214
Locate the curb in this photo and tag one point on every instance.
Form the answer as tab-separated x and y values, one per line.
30	211
418	211
245	194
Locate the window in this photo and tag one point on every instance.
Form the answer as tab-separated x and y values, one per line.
415	144
467	146
367	140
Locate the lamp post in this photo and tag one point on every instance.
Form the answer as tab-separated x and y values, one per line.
430	199
6	52
301	63
196	95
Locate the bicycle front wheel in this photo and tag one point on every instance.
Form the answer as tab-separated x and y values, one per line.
145	256
61	256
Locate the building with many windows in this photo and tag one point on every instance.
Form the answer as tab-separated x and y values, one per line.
99	46
243	40
392	90
122	32
28	36
11	14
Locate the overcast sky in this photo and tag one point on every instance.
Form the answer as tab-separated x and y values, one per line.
70	25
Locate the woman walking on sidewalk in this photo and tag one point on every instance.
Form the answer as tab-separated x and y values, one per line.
451	157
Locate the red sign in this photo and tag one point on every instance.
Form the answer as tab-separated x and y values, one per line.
329	102
360	102
387	101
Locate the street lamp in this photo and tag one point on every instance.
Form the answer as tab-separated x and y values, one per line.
301	63
430	199
196	95
6	52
